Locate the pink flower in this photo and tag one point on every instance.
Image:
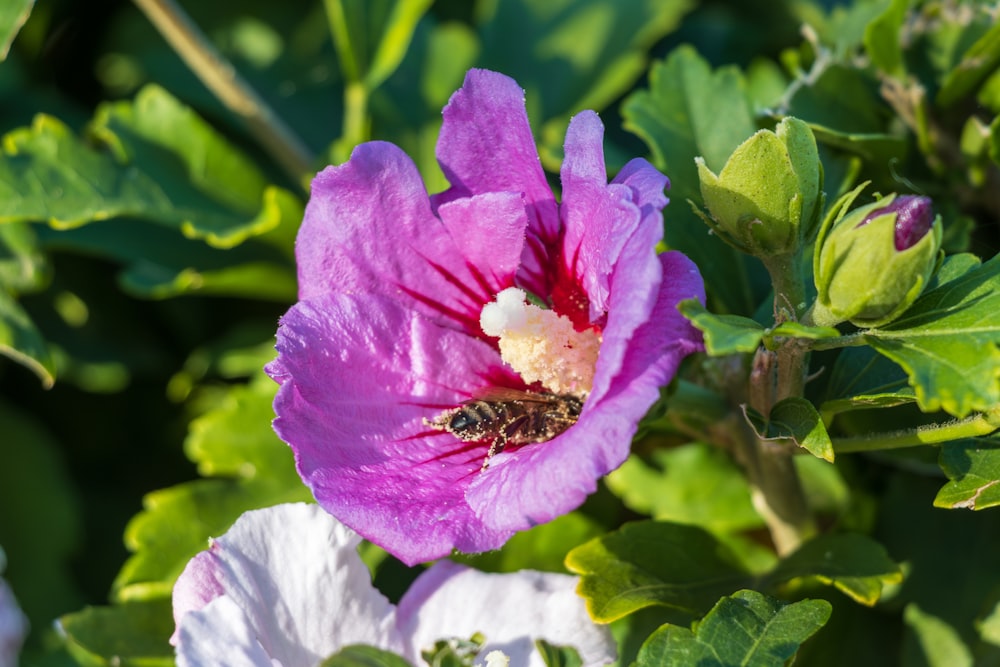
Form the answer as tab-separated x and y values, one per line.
387	340
285	586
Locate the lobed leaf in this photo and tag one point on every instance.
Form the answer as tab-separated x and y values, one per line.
358	655
861	379
794	419
21	341
166	165
558	656
855	564
978	62
130	635
561	72
695	483
973	468
724	334
933	641
234	440
159	263
882	39
947	343
654	563
746	629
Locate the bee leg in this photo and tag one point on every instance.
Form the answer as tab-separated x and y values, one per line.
496	447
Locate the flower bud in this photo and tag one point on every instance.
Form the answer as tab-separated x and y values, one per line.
875	261
767	198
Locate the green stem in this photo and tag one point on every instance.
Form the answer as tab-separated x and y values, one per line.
930	434
776	375
220	77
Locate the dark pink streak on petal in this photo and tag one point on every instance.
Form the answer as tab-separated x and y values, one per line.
486	145
599	218
358	371
369	228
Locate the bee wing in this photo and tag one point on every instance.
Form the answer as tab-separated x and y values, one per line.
503	394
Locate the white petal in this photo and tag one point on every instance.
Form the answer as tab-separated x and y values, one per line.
511	610
13	626
294	575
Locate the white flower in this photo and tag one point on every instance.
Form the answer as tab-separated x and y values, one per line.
285	587
13	624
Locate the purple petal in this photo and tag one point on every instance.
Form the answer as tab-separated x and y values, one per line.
369	228
647	184
285	584
511	610
598	218
486	145
359	375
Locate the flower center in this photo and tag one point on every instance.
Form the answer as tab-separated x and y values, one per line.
541	345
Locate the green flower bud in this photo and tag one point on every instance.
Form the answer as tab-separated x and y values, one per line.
875	261
767	198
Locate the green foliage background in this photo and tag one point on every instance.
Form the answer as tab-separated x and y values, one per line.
146	253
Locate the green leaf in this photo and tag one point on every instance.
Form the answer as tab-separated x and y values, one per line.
937	643
882	39
789	329
654	563
562	73
454	652
233	441
989	625
166	165
543	547
855	564
947	343
977	63
678	119
973	468
797	420
724	334
359	655
21	342
695	483
397	31
838	100
13	14
558	656
40	531
160	263
747	629
23	266
130	635
861	379
372	36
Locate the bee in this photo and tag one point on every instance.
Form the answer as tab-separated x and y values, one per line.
509	417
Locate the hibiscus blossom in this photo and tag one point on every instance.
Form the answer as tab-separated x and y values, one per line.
13	624
414	307
285	587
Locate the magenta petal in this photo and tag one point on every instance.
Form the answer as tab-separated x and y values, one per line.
486	145
369	227
647	183
358	377
599	218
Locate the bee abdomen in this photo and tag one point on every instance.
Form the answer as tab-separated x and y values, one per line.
477	417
